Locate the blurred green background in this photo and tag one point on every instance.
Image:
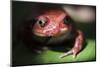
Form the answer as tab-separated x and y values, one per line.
21	55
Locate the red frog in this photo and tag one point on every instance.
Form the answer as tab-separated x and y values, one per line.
51	24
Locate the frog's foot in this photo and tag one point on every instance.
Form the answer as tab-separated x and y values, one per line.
73	51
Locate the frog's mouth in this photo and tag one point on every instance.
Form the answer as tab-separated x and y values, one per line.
51	34
39	34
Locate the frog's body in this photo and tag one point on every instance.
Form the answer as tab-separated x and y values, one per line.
53	25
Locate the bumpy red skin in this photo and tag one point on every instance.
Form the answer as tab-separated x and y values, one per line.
54	24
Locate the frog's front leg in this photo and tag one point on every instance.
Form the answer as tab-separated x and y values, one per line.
77	45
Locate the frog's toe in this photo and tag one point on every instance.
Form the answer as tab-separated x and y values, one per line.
66	54
71	52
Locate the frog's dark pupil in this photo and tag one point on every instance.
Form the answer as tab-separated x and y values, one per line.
66	20
40	22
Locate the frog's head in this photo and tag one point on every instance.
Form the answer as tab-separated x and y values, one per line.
50	24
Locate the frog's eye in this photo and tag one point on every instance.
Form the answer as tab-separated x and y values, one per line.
41	23
67	20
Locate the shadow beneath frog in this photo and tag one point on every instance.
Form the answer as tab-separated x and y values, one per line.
60	47
65	47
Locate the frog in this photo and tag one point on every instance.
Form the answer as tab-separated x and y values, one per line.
56	24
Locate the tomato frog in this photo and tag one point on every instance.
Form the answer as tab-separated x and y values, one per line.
57	25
